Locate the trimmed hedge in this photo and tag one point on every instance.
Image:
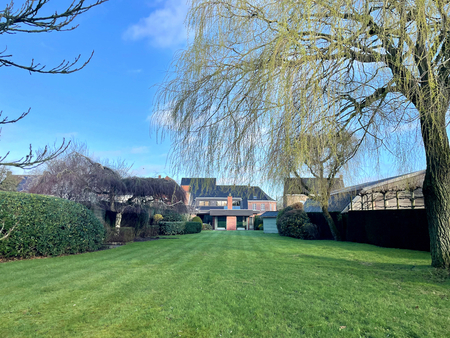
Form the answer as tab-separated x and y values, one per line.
171	216
47	226
172	228
192	227
197	219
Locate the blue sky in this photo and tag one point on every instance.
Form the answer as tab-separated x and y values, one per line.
107	104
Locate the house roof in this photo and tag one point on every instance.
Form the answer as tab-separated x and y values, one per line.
207	188
340	199
198	182
270	214
233	212
307	185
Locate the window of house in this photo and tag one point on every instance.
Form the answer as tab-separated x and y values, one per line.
254	206
221	203
263	207
203	203
236	203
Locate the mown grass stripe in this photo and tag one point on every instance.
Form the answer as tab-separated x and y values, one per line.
245	284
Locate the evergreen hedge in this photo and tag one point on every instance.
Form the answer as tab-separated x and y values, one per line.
47	226
172	228
192	227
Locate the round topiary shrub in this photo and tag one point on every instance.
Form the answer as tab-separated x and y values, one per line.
197	219
46	226
295	223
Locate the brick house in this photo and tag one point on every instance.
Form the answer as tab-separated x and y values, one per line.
226	207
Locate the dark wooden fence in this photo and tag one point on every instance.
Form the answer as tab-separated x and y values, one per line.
404	229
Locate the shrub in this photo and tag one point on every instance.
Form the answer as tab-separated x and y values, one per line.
157	218
137	219
197	219
47	226
192	227
295	223
310	231
151	230
171	216
126	234
206	226
172	228
257	225
295	206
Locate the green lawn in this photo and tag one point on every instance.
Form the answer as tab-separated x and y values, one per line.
227	284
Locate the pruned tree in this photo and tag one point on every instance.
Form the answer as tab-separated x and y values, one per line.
147	190
377	66
35	16
79	177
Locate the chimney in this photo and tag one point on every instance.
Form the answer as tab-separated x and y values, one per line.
186	189
230	202
159	176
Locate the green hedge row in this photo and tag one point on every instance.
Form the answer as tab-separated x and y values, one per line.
192	227
172	228
180	228
46	226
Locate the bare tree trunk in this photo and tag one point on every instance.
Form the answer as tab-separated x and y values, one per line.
118	221
436	186
334	230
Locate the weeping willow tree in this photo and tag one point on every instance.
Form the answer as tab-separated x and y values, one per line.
372	67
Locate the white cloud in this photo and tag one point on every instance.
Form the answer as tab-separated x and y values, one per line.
164	27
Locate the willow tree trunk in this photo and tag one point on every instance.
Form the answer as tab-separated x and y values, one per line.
334	230
436	186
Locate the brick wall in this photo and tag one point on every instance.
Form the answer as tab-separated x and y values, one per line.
231	222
